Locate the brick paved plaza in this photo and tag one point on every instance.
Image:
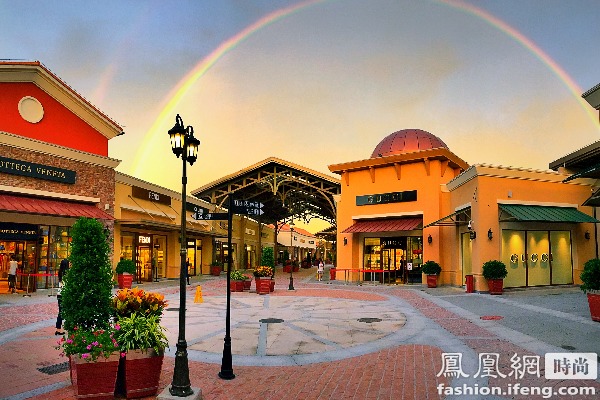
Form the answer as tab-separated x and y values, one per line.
336	340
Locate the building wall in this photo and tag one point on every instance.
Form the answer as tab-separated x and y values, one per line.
58	125
413	176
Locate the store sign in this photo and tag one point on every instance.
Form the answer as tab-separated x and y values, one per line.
144	239
384	198
13	231
39	171
393	243
145	194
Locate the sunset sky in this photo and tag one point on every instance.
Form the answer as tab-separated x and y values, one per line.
320	82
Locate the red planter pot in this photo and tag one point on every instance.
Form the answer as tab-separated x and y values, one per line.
594	303
236	286
263	285
214	270
139	373
124	281
432	281
94	379
495	286
287	268
247	284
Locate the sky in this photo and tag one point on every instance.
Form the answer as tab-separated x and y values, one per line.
320	82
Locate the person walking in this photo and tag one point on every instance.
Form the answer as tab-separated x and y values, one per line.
320	270
12	274
62	270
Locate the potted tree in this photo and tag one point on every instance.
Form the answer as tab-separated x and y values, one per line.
141	339
215	268
125	271
494	271
237	281
90	344
432	270
591	286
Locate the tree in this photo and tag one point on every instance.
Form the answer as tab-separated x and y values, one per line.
86	296
267	257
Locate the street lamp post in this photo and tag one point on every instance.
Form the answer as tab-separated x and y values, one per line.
184	144
291	287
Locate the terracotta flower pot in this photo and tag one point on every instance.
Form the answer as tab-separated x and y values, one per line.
432	281
139	373
94	379
125	281
594	303
495	286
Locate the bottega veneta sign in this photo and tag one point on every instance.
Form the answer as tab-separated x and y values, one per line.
383	198
24	168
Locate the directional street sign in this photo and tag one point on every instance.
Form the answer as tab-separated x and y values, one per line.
247	207
209	216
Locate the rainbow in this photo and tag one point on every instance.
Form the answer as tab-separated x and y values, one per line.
186	83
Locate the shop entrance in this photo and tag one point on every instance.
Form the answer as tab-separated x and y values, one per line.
25	255
144	263
392	260
537	258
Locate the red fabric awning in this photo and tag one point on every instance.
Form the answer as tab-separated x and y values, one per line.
385	225
43	206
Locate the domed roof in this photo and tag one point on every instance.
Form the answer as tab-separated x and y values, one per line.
407	141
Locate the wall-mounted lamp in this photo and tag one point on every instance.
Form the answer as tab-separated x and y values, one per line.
429	239
345	241
472	235
587	235
490	234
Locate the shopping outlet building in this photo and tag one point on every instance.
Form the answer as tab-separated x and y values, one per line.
414	200
55	168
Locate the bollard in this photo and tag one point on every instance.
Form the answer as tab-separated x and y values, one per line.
469	283
198	296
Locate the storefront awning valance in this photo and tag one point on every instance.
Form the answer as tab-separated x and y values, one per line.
456	218
61	208
526	213
384	225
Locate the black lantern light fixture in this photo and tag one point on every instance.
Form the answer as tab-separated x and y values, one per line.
345	241
184	144
291	285
490	234
429	239
587	235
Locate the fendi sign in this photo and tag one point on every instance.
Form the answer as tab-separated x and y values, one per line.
141	193
24	168
383	198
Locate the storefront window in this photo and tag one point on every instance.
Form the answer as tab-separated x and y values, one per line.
160	255
392	259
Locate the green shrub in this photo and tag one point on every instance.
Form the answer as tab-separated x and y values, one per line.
237	276
590	275
87	292
431	268
494	269
267	257
125	266
139	332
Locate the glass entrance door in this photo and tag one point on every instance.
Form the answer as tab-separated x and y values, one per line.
513	255
538	260
561	258
144	263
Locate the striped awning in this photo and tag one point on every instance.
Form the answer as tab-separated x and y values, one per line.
44	206
385	225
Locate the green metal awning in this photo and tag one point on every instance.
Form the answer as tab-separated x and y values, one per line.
459	217
519	212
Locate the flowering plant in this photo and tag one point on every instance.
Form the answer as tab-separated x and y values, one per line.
129	301
89	344
263	271
237	276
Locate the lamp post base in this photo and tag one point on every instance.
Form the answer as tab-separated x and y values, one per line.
291	286
196	394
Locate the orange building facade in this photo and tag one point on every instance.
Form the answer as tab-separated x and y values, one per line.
414	200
